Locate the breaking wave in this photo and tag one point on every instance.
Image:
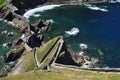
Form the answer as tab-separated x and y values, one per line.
94	7
39	9
73	31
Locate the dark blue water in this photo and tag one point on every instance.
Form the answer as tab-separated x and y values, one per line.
100	30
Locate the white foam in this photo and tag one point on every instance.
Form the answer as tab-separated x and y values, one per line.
4	44
50	20
83	46
94	7
4	32
23	36
10	33
74	31
11	23
39	9
81	53
36	15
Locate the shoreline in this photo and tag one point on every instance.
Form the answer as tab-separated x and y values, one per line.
66	4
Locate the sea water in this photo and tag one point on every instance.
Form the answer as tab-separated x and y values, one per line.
7	34
99	28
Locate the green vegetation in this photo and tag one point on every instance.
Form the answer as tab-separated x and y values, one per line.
63	74
48	58
28	60
40	52
2	3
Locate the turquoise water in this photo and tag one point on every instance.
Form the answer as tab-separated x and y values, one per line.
98	29
4	38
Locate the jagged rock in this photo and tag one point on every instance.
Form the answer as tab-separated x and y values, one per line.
9	17
35	40
80	59
14	54
39	24
18	42
87	58
22	25
34	29
66	57
22	4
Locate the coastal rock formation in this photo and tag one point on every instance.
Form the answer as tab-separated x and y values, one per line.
21	25
35	40
64	57
14	54
22	4
38	24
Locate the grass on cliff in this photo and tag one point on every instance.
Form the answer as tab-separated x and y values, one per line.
48	58
2	3
44	49
40	52
28	62
64	74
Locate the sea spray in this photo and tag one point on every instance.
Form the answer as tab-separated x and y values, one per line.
74	31
50	20
36	15
94	7
39	9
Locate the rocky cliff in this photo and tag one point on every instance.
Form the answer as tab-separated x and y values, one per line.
22	4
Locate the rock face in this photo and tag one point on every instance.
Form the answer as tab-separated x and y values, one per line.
35	40
14	54
21	25
21	4
36	26
65	57
9	17
39	24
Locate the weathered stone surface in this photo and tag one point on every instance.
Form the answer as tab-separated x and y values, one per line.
39	24
9	17
87	58
21	24
65	57
18	42
14	54
80	59
35	40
